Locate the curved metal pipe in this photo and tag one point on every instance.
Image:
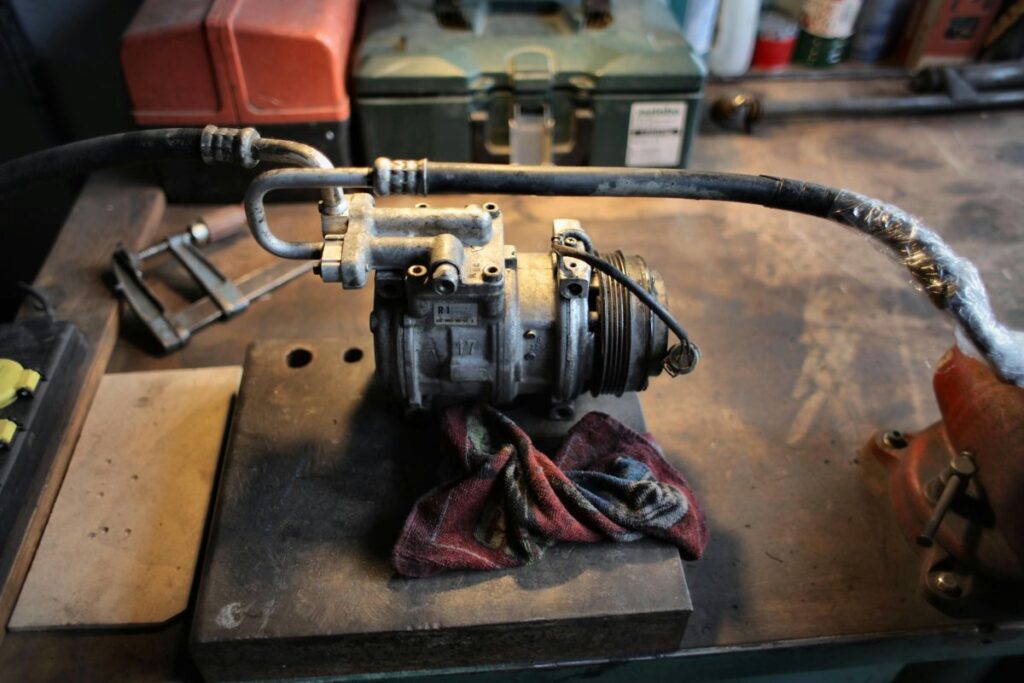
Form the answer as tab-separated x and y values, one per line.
298	154
294	178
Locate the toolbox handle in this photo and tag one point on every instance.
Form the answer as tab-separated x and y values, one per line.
574	152
451	13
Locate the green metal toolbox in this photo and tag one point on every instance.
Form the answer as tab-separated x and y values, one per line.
593	82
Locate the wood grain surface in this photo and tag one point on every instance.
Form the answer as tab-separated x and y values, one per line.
132	508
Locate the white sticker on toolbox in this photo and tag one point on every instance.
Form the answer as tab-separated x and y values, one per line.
455	314
656	132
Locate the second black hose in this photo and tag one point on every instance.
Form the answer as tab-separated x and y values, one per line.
85	156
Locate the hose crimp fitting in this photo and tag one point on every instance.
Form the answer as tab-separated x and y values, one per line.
229	146
398	176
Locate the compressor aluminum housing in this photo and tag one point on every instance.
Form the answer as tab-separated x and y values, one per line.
460	315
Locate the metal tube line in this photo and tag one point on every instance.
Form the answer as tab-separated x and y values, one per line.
296	153
888	106
951	282
294	178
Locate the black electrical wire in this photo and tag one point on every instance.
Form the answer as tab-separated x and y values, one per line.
682	358
85	156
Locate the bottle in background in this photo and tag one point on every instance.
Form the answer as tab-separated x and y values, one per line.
825	30
734	42
878	26
699	25
776	38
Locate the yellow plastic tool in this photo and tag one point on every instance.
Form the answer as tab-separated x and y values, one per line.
7	430
16	381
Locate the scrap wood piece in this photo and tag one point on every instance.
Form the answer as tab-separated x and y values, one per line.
121	544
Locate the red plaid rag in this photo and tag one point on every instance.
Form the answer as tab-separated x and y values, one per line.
511	501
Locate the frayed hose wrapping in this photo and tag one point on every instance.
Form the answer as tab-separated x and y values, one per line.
951	282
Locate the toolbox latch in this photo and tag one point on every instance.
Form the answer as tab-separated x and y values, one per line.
531	124
531	127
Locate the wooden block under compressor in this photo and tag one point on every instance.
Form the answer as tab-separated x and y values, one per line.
319	475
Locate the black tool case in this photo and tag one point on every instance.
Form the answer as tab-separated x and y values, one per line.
57	351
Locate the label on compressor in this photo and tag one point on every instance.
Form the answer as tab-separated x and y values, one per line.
656	131
455	313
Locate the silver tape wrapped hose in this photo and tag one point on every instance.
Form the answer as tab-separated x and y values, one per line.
951	282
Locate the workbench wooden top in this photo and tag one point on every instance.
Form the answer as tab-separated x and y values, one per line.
812	340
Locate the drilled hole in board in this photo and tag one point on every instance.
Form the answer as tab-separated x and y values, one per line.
299	358
353	355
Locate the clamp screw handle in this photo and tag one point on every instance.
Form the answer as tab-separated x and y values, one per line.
961	469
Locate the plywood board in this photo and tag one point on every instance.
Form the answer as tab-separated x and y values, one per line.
122	542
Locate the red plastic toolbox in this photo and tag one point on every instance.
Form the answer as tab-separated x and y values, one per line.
278	66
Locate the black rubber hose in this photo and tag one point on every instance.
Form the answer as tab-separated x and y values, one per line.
85	156
952	283
778	193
